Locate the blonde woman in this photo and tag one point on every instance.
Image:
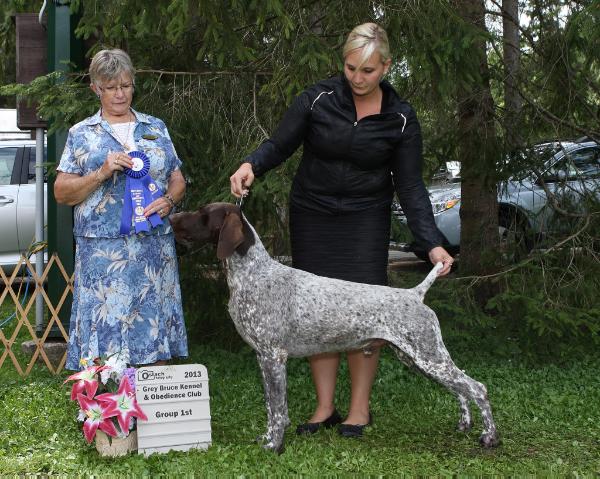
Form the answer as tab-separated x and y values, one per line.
361	143
126	299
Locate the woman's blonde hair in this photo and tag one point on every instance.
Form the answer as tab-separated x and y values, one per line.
369	37
109	65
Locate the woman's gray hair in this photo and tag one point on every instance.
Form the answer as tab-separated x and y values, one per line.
109	65
369	37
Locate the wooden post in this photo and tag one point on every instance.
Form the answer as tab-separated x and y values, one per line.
31	63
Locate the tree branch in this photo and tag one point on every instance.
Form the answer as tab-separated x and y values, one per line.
264	132
475	279
200	73
594	135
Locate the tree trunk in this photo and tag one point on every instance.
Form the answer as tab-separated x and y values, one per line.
478	149
512	65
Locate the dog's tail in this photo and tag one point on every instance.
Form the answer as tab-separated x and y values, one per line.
422	288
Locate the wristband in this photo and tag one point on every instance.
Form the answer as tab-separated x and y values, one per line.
170	199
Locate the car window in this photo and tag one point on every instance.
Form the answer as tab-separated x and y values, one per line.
587	162
7	163
580	164
31	171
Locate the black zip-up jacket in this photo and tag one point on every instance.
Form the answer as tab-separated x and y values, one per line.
350	165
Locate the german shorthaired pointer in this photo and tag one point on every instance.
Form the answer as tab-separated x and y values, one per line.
284	312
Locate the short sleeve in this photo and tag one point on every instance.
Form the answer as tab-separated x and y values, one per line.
68	160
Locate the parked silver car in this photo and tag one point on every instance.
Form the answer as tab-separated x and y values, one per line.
570	172
17	200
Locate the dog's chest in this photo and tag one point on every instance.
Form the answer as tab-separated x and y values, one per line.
257	306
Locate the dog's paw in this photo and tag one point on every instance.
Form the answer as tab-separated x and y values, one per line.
489	440
464	426
263	439
272	446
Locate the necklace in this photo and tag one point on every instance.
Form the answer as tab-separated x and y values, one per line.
123	143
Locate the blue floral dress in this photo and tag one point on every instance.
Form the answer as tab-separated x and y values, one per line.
127	297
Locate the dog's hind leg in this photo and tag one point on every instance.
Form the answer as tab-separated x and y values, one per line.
430	356
467	388
465	422
464	388
272	366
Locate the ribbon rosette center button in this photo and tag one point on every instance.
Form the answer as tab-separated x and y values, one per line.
138	164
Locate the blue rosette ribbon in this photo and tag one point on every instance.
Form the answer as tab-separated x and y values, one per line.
140	191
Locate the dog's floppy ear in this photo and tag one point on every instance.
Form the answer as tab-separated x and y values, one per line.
230	236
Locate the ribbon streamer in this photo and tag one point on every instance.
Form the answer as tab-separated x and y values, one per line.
140	191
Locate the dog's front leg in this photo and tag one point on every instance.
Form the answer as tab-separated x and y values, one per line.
265	438
466	422
272	366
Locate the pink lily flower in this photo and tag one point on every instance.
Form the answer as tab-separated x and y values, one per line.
86	381
97	417
124	402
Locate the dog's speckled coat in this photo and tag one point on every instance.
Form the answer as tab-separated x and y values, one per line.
283	312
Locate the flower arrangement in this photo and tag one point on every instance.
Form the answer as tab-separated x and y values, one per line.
113	410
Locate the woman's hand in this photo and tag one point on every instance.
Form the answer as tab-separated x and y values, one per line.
72	189
161	206
439	254
116	161
175	191
241	180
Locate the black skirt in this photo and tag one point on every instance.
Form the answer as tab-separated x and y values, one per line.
351	246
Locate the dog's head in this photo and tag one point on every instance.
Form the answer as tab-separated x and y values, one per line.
217	223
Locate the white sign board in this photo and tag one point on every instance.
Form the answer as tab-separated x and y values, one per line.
176	401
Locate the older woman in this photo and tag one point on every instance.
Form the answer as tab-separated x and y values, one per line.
361	142
127	298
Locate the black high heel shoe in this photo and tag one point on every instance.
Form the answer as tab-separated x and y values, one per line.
353	430
313	427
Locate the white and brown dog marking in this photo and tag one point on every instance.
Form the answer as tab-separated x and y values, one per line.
284	312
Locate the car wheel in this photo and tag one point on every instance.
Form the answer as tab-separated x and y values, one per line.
514	240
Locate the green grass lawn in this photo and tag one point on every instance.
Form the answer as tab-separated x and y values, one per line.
545	398
547	415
